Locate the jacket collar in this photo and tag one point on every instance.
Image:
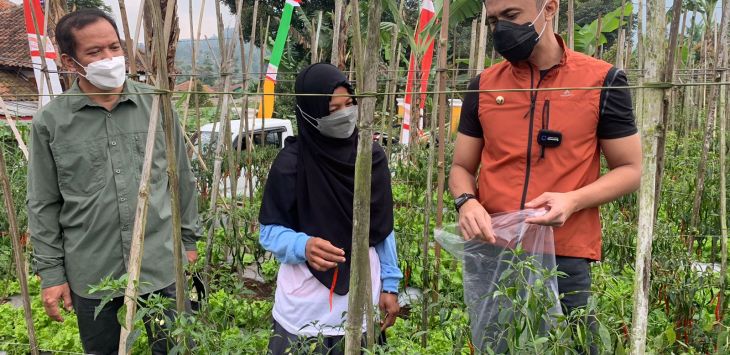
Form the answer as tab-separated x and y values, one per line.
79	101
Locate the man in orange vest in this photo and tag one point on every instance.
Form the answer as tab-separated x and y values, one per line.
541	149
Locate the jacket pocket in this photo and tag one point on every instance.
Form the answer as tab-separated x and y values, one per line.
81	166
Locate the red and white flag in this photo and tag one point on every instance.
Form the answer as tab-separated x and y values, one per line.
427	13
35	53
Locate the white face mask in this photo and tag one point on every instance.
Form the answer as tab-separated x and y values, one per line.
106	74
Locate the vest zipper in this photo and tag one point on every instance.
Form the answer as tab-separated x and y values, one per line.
533	100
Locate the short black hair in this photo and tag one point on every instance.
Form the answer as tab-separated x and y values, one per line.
75	21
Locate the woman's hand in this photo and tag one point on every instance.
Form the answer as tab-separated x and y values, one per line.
322	255
390	308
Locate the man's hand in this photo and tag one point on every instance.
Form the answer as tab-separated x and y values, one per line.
192	256
475	222
50	297
560	207
390	307
322	255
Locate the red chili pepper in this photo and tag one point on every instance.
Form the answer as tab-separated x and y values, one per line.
717	308
332	288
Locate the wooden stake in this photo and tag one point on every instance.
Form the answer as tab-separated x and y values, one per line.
621	38
11	123
473	46
315	40
441	99
359	297
337	16
42	50
724	43
17	252
140	222
225	124
668	75
128	41
135	261
721	53
571	24
650	115
481	52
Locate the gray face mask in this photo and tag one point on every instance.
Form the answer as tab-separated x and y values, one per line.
339	124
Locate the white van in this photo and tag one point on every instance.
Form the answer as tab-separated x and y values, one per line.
274	132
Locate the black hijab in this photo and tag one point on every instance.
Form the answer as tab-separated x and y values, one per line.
310	186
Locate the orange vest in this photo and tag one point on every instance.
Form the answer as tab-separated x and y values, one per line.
512	170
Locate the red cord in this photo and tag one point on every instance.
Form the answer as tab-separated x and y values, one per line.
332	288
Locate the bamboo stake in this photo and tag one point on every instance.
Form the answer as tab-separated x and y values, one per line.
193	58
136	252
630	42
621	38
162	54
128	40
640	39
597	53
392	84
481	52
233	153
723	205
650	115
315	42
11	123
140	222
721	52
17	252
473	45
359	297
668	75
571	24
441	98
724	43
250	132
42	50
337	16
244	104
225	124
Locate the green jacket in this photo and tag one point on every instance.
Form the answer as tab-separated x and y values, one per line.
83	182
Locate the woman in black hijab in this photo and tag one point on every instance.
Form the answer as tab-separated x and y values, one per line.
306	218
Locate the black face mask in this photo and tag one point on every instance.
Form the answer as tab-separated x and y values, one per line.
516	42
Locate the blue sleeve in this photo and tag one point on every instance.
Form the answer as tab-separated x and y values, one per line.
390	273
287	245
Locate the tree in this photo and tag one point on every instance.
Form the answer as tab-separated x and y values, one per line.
74	5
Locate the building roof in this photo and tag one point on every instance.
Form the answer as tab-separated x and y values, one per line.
5	4
14	51
15	83
184	87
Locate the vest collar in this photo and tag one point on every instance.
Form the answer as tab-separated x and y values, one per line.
522	69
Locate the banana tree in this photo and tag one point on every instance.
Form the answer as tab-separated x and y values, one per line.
585	37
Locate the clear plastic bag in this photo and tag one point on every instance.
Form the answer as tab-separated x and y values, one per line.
511	286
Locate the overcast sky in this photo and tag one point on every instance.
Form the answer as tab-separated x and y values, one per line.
209	20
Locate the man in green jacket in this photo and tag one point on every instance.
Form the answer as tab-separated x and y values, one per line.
86	160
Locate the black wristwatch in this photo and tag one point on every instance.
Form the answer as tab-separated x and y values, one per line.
461	200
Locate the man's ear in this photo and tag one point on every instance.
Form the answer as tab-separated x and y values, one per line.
551	9
69	63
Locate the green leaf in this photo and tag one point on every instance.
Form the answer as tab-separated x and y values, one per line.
670	334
